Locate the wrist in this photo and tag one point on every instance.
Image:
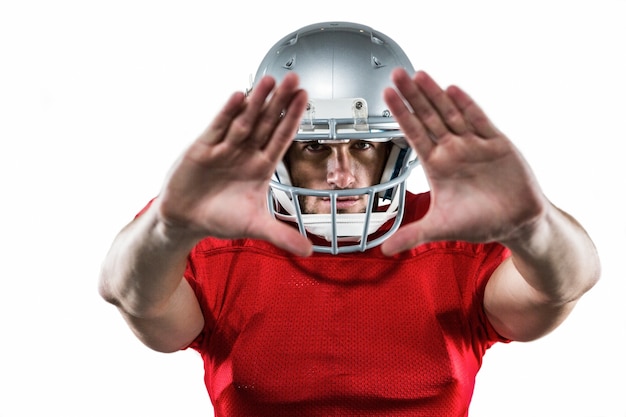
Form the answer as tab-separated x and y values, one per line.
170	234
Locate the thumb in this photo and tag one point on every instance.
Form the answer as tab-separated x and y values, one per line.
407	237
287	238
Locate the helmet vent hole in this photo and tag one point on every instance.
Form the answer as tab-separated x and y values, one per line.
376	62
290	63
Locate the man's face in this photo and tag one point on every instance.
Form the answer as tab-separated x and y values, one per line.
336	166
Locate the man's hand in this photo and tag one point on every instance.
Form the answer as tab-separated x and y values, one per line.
482	189
219	185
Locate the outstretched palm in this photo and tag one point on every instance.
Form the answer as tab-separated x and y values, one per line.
219	185
481	187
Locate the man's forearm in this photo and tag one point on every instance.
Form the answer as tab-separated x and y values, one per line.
144	266
557	258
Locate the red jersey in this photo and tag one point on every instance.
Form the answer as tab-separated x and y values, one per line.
358	334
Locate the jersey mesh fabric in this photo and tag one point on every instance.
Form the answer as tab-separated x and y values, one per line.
342	335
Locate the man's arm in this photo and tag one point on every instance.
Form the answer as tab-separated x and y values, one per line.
143	276
554	263
218	187
483	190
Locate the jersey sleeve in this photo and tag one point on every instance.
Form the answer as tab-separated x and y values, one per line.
494	255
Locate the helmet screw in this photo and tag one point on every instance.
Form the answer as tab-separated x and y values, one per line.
386	113
358	105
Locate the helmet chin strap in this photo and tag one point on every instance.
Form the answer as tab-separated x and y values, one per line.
349	226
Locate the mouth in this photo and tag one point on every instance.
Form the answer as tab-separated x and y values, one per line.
343	203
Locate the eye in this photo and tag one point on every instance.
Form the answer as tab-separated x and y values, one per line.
361	145
314	146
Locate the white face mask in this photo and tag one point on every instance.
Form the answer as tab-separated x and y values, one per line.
340	228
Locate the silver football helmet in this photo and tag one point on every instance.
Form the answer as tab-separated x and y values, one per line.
344	68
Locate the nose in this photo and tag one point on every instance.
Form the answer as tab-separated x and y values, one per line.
340	172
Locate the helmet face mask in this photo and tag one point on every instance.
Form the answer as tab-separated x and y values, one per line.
344	67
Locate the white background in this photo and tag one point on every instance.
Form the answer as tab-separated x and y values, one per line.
98	98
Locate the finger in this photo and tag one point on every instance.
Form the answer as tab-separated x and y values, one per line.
405	238
242	126
286	237
427	229
274	110
447	110
283	134
477	120
413	129
421	104
216	131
